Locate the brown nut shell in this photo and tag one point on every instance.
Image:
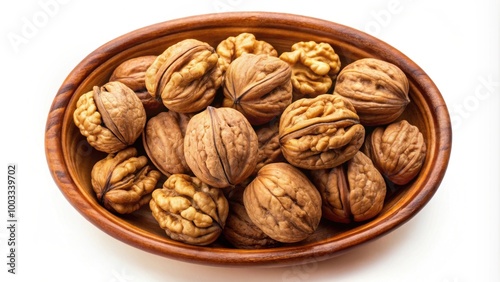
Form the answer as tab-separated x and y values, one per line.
320	132
132	72
220	147
377	89
283	203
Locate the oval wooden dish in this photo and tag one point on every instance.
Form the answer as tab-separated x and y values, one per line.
70	158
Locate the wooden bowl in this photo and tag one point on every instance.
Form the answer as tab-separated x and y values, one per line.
70	158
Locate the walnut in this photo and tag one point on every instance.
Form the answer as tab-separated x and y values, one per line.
111	117
314	68
220	147
189	210
132	73
239	230
185	76
353	191
258	86
123	182
377	89
397	150
269	145
163	141
320	132
283	203
235	46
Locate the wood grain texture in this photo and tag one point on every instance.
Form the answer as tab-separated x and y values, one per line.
70	158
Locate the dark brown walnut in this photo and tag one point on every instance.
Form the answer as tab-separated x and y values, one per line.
189	210
123	182
220	147
377	89
353	191
258	86
185	76
314	68
163	140
240	231
269	145
283	203
397	150
235	46
132	73
111	117
321	132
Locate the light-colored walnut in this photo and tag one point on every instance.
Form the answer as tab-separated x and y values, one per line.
220	147
314	68
353	191
397	150
258	86
123	182
189	210
320	132
111	117
377	89
185	76
283	203
269	145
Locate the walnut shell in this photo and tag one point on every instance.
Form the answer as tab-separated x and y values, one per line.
123	182
235	46
353	191
314	68
283	203
132	72
239	230
111	117
189	210
220	147
397	150
377	89
163	141
186	76
258	86
269	145
320	132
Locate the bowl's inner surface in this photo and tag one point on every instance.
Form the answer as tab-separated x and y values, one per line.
80	156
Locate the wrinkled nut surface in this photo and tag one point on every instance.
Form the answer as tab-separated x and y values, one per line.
258	86
314	68
240	231
189	210
220	147
269	145
398	151
123	182
111	117
163	141
377	89
283	203
186	76
320	132
354	191
235	46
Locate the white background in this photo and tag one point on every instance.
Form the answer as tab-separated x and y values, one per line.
455	238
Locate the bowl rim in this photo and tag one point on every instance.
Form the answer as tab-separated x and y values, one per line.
316	251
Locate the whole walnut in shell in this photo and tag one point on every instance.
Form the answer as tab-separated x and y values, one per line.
283	203
189	210
220	147
185	76
353	191
235	46
269	145
111	117
258	86
314	68
163	140
123	182
320	132
377	89
397	150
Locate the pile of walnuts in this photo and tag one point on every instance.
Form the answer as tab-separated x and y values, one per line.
242	142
